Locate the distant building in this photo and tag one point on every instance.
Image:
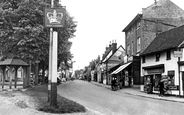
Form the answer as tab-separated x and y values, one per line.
113	57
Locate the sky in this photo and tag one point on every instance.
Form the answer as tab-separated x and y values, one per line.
100	22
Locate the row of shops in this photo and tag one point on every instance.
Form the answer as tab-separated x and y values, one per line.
133	71
130	75
162	60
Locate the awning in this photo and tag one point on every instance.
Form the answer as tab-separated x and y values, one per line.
121	68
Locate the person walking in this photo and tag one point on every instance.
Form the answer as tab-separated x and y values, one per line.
161	88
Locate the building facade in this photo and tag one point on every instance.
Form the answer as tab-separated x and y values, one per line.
164	59
161	16
113	57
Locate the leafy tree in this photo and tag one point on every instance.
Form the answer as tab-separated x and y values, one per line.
23	33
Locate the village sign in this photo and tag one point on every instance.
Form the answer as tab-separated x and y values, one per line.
54	17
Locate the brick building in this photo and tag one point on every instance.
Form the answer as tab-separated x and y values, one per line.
161	16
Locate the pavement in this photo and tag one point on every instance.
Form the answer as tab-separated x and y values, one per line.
136	92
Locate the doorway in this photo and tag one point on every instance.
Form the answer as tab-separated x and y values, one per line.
183	81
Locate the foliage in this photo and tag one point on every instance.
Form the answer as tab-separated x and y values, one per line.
23	33
94	62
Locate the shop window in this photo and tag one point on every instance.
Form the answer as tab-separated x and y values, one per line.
157	79
171	77
168	55
158	57
171	81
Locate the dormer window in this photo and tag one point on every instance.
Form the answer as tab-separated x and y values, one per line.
157	56
143	59
168	55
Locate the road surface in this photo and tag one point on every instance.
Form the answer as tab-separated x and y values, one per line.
103	101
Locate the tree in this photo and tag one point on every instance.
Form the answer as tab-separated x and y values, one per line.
23	33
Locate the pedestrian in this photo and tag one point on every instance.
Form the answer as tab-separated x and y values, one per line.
161	88
112	82
121	83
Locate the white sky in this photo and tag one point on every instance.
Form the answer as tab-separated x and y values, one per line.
99	22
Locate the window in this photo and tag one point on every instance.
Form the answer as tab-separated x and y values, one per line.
132	30
168	55
132	48
138	25
157	57
143	59
128	50
138	44
128	34
158	26
171	75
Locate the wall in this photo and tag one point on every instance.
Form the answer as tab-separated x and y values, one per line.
165	11
150	29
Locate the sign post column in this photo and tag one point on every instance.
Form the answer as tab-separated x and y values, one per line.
54	18
50	56
54	71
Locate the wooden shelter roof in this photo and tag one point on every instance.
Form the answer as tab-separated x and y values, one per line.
13	62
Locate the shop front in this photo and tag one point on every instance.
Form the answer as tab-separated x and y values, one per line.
152	76
123	74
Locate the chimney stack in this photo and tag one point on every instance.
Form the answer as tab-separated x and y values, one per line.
114	46
110	46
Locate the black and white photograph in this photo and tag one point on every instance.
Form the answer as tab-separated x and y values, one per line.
91	57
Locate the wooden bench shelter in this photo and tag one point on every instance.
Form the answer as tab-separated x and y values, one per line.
12	65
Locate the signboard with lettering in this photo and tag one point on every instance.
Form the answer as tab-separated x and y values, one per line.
55	17
175	87
178	54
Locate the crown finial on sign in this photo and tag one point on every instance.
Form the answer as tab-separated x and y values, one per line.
54	17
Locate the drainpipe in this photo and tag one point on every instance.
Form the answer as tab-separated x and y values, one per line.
179	74
106	72
179	68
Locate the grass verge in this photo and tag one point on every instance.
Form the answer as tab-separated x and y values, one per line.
40	94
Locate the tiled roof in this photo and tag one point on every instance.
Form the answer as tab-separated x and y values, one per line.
166	40
163	8
166	11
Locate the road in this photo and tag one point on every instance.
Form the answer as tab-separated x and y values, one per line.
103	101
